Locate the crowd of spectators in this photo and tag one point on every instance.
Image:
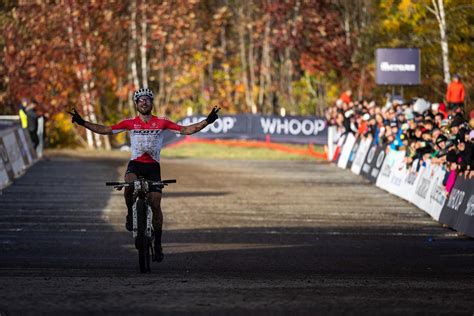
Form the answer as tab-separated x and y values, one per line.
440	133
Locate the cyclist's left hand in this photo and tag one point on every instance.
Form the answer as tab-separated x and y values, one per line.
212	117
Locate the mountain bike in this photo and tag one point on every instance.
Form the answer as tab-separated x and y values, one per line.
142	217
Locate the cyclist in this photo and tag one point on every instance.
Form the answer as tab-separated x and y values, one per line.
146	137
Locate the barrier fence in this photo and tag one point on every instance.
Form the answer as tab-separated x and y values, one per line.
260	128
16	152
420	184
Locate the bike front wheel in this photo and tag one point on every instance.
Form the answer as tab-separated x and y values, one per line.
142	242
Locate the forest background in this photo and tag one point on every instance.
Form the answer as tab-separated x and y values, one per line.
248	56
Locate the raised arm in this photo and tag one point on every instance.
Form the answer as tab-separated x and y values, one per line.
194	128
96	128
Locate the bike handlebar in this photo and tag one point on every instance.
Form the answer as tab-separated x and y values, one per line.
126	184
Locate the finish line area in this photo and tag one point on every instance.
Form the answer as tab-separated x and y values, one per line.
239	236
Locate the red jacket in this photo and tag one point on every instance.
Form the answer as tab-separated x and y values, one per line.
455	93
345	98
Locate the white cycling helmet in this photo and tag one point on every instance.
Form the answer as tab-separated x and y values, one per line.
142	92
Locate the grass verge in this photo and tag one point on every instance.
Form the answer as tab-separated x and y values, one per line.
220	151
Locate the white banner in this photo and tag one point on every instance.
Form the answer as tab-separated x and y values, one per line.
360	155
332	139
338	148
14	153
410	182
433	204
346	151
397	175
422	188
39	149
393	160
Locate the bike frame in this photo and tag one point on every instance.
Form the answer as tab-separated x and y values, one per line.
140	191
143	238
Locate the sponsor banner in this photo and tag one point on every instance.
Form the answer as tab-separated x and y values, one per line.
398	175
465	220
332	140
7	167
23	147
28	144
39	148
433	204
458	210
353	153
346	151
6	171
288	129
340	144
392	159
14	153
397	66
423	185
373	163
410	181
4	178
362	151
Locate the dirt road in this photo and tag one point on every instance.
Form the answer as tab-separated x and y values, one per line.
240	237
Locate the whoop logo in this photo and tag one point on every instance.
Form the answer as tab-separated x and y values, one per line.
297	129
292	126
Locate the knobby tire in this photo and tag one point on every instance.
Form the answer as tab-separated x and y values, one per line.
143	243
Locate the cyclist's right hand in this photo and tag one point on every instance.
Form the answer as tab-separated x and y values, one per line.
76	118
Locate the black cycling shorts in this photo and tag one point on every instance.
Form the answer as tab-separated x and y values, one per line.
149	171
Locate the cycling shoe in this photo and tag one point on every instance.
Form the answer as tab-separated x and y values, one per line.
158	254
128	223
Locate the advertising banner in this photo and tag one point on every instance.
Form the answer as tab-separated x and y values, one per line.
397	66
373	163
4	179
361	154
397	176
26	154
410	182
353	153
422	188
346	151
14	153
6	165
437	193
288	129
458	210
338	149
465	220
391	164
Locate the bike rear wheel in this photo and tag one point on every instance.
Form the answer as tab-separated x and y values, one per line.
142	241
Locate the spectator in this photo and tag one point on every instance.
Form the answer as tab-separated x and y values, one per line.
426	132
32	117
455	94
346	96
22	114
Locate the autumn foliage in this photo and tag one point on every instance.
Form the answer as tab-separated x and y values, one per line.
248	56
